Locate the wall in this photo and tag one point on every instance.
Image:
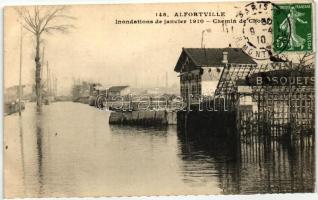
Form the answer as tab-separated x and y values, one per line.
208	87
210	79
147	118
192	80
125	91
204	84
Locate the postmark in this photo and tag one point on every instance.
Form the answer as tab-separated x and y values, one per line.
295	21
257	30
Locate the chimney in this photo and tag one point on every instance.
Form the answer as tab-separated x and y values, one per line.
225	57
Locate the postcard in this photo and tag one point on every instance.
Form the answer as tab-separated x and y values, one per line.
159	99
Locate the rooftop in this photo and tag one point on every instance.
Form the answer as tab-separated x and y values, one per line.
213	56
117	88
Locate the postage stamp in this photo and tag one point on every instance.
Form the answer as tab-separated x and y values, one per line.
292	27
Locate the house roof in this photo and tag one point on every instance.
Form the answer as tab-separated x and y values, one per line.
213	56
117	88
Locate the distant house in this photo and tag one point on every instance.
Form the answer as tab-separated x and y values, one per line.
12	93
211	71
82	91
118	91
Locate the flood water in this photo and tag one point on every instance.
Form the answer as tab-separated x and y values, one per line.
70	150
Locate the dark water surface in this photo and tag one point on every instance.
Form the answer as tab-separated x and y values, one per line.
70	150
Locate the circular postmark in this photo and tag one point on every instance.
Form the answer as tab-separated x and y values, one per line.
257	38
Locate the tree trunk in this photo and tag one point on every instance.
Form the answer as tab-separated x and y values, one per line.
38	89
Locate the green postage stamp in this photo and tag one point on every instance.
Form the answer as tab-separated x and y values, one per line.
292	24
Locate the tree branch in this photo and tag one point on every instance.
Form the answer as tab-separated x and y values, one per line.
30	19
62	28
41	20
51	17
28	23
27	28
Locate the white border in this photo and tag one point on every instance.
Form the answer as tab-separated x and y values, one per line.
297	196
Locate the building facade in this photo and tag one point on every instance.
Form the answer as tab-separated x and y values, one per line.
118	91
211	71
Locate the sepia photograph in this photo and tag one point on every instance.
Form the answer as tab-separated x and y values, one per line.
149	99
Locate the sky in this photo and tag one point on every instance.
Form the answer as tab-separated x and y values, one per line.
99	50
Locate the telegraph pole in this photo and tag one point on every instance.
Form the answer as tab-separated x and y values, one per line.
47	78
202	36
55	86
20	73
52	84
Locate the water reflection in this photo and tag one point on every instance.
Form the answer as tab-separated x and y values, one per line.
39	137
63	153
253	166
22	150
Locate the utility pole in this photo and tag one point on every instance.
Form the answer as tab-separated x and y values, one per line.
52	84
20	73
202	36
47	78
50	81
55	86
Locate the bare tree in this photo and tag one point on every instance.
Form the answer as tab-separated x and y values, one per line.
40	20
306	61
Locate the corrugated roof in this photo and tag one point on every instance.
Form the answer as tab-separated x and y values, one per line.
214	56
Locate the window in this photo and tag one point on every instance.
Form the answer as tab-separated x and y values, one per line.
194	89
199	88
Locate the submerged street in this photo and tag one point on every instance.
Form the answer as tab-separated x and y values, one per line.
69	149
